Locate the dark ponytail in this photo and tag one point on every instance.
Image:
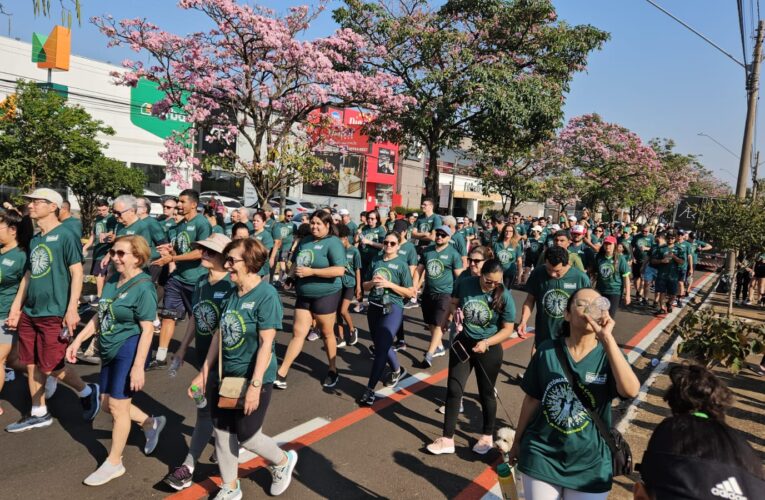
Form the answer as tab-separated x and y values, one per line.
22	225
696	389
498	295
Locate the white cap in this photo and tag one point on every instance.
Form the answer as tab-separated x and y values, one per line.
537	228
556	227
344	211
578	229
572	218
46	194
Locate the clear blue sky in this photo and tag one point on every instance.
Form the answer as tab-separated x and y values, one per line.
653	76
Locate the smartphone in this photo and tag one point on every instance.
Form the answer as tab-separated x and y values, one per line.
460	351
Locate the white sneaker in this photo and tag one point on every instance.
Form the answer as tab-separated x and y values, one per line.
51	384
441	446
281	475
104	474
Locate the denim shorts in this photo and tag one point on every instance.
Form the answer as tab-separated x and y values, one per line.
178	297
114	379
649	273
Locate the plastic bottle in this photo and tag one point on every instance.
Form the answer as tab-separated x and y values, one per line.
199	397
507	481
174	365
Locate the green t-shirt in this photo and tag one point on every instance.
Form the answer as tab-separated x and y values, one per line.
264	236
158	236
439	268
352	263
250	227
427	225
216	229
459	243
674	268
687	249
319	254
353	228
168	226
640	244
520	229
50	256
208	302
73	224
695	245
573	259
12	268
139	228
120	311
283	231
551	295
408	252
243	318
376	234
187	232
481	321
585	253
269	224
659	253
394	270
102	225
561	444
508	255
610	278
490	237
534	249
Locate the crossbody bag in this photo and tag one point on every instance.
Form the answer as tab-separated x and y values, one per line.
232	389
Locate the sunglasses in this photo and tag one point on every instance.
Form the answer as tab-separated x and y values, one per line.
390	243
117	253
231	261
119	213
441	235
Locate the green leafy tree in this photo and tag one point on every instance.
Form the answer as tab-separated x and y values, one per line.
470	65
102	178
41	137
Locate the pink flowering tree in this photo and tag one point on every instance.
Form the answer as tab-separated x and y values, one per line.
252	80
610	161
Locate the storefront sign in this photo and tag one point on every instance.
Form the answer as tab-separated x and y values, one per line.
142	98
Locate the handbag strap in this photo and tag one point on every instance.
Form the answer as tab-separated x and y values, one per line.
573	381
220	355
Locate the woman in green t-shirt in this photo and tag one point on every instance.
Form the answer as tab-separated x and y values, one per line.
612	273
251	316
484	312
263	234
509	251
557	445
125	327
389	284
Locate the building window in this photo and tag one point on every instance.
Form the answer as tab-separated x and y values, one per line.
155	174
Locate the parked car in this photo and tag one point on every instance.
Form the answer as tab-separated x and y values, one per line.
156	202
297	206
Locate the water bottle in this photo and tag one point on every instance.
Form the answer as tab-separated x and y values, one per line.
175	364
507	481
199	397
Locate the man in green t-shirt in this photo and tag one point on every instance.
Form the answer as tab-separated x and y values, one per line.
457	240
45	312
283	234
157	232
439	265
69	221
561	238
104	228
179	288
346	219
425	228
667	259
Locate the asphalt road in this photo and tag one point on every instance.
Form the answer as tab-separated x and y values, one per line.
344	451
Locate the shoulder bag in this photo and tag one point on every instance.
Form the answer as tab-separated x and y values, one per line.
621	455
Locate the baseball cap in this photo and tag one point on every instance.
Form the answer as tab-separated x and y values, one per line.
610	239
46	194
445	229
555	227
215	242
344	211
572	218
578	229
537	228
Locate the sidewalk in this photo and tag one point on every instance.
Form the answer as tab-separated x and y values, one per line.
747	414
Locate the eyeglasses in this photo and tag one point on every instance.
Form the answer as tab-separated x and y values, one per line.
441	235
390	243
37	202
117	253
168	207
476	261
231	261
119	214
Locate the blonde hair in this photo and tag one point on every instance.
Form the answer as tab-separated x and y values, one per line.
138	247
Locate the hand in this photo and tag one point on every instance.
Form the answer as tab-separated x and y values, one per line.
137	378
481	347
604	329
71	319
12	322
251	400
522	331
627	300
198	381
381	282
303	272
359	295
165	250
163	260
71	352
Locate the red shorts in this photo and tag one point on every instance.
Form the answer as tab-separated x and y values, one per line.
39	342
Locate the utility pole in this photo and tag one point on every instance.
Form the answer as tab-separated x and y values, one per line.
752	87
755	183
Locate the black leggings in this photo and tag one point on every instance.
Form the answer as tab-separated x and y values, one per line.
614	300
491	361
742	285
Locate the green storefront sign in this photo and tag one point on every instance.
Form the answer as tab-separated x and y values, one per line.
142	98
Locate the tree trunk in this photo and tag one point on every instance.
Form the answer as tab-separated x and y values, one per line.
432	188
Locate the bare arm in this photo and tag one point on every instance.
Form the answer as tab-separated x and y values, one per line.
529	408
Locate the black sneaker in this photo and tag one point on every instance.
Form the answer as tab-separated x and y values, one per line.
91	404
353	337
399	346
156	364
393	377
280	382
28	422
179	479
368	398
331	379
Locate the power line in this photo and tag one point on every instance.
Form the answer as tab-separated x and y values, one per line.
740	7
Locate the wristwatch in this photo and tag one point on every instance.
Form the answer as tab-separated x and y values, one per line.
255	383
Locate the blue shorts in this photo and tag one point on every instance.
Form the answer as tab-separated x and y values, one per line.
649	273
115	375
178	297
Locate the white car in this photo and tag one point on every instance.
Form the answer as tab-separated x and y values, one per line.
156	202
297	206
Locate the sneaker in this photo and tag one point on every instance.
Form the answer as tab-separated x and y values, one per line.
313	335
758	370
427	360
483	447
341	343
394	377
104	474
281	475
152	435
91	404
368	398
156	364
10	375
180	478
411	304
643	302
51	384
399	346
442	408
331	379
439	352
353	337
280	382
29	422
441	446
226	493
